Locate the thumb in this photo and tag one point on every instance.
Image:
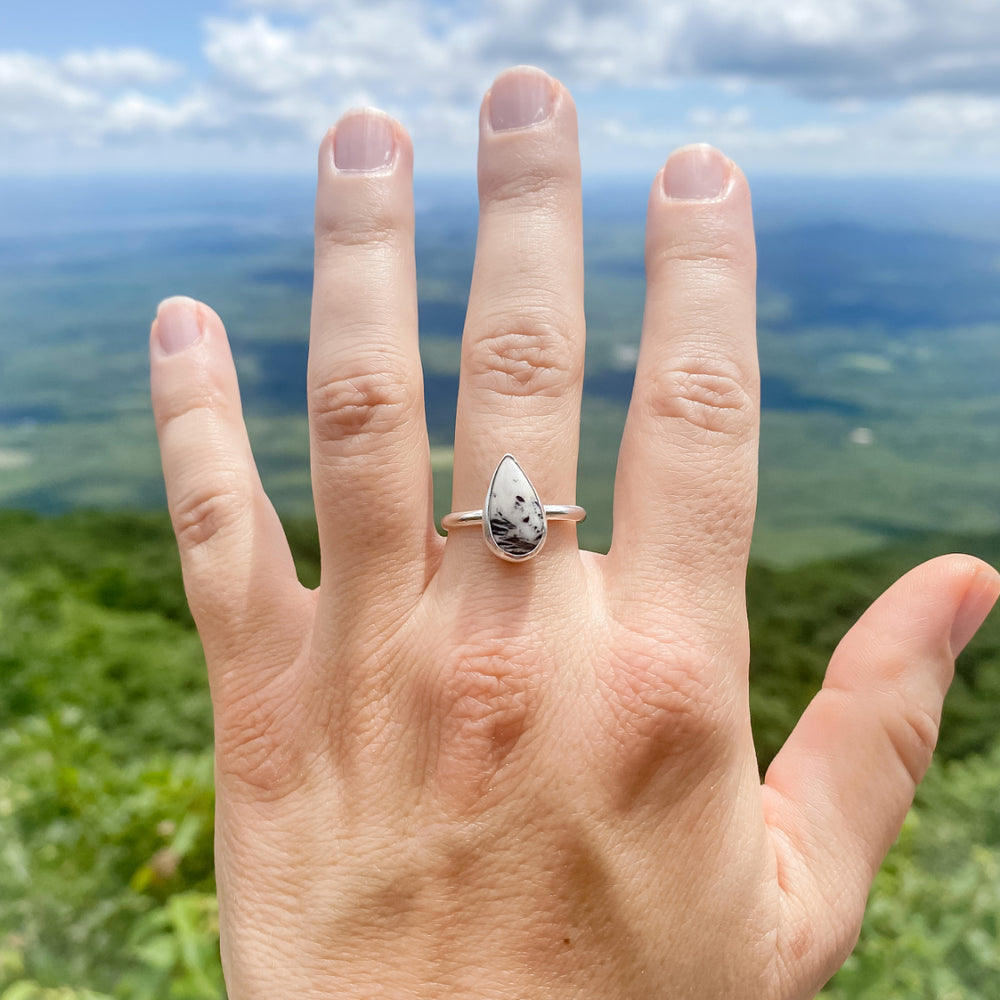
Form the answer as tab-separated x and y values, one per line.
836	795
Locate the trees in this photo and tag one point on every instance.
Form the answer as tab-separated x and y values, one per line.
106	802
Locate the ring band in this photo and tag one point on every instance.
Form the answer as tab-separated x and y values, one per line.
553	512
515	523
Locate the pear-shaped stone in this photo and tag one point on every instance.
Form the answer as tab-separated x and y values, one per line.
513	516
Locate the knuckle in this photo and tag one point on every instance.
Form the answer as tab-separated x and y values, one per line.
354	408
664	711
203	514
374	226
710	252
913	733
530	358
261	739
484	699
709	396
203	399
534	187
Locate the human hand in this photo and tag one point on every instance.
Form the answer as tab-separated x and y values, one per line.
443	775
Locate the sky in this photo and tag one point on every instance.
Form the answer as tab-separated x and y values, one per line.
887	87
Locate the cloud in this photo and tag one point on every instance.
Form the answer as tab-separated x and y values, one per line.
256	58
734	132
415	51
78	97
711	119
276	72
118	67
137	115
816	48
853	48
35	95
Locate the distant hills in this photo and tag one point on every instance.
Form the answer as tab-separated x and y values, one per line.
879	326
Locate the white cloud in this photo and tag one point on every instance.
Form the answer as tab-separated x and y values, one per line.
938	133
421	51
726	119
951	116
852	48
255	58
65	102
732	131
279	71
136	114
35	96
814	24
118	67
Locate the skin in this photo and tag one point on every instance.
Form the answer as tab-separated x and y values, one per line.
444	775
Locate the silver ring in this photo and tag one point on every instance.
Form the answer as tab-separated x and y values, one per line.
515	523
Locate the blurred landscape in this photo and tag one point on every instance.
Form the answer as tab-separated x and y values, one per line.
879	337
879	328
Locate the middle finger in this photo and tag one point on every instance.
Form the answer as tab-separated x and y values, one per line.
523	347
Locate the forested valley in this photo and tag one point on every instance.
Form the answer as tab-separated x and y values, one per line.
106	800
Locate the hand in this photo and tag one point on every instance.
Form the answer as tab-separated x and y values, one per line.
445	775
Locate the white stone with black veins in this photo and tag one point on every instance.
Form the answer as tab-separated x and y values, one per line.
513	518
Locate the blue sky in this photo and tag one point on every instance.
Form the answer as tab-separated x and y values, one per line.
836	86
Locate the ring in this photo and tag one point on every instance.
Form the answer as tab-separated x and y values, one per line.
514	521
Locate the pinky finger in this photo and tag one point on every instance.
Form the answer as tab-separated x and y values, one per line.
238	571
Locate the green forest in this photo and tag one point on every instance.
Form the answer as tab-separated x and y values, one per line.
106	801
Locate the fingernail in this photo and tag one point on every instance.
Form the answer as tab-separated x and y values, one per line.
177	324
976	605
520	98
364	140
696	173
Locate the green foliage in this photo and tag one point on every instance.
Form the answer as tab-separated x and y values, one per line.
178	946
94	848
106	799
124	561
933	922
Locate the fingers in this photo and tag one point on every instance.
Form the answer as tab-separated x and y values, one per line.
369	450
686	484
837	793
522	352
238	571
